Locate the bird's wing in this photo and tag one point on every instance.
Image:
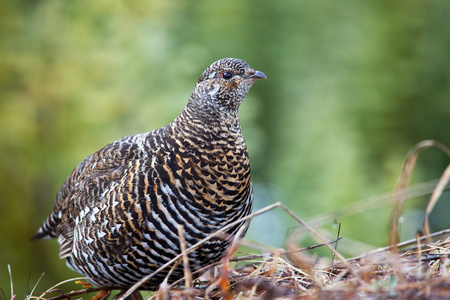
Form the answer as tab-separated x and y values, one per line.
86	184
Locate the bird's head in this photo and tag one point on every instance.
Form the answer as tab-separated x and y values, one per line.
225	83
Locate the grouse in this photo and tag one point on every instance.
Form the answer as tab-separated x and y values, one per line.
117	213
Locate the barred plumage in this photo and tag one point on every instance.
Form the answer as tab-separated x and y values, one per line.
117	213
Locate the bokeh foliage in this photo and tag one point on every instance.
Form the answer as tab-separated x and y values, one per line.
352	87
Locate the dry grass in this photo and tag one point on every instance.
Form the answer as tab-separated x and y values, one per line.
415	269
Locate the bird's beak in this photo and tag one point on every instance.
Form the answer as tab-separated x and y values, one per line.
258	75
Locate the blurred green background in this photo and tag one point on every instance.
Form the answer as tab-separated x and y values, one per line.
352	87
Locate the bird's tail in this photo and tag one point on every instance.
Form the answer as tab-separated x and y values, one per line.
48	228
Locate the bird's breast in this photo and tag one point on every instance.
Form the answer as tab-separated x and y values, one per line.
212	176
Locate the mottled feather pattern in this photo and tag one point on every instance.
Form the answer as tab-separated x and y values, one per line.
116	215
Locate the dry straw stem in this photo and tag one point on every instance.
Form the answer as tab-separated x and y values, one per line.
443	181
400	189
187	268
11	281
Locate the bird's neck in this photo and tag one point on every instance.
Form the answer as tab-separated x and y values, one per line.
209	125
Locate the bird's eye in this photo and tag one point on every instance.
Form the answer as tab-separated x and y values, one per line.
226	75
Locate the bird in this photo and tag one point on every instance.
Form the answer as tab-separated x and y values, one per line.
116	215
